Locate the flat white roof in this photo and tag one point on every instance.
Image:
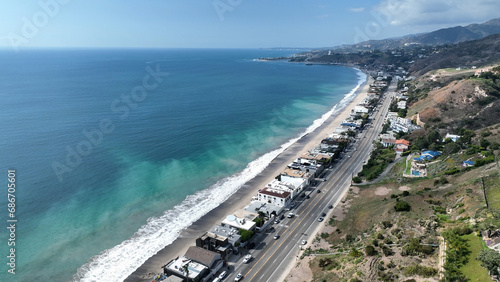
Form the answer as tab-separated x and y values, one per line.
194	268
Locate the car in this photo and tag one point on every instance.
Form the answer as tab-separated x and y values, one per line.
276	221
217	279
303	242
290	215
238	277
247	258
330	206
308	197
292	205
222	275
323	214
320	219
276	236
319	191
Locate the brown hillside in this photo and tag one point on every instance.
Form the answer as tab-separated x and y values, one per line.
459	103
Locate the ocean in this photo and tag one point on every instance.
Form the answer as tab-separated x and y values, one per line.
116	151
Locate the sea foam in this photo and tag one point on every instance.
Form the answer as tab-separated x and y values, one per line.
117	263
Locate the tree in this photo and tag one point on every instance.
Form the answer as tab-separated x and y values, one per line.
370	250
433	137
402	206
490	260
484	143
245	235
451	148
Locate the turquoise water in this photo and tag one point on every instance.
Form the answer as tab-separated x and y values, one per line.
188	143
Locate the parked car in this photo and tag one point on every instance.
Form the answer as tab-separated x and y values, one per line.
290	215
323	214
276	236
304	242
222	275
320	219
330	206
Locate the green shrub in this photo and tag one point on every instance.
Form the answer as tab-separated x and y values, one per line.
402	206
420	270
386	224
387	251
355	253
370	250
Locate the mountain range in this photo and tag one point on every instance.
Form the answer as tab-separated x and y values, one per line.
451	35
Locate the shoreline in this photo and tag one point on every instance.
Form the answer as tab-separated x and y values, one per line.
244	194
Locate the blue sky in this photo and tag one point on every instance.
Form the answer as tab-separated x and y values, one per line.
227	23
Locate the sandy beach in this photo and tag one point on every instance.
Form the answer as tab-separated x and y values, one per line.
243	196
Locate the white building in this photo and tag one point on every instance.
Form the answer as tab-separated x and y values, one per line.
274	196
297	178
453	137
241	219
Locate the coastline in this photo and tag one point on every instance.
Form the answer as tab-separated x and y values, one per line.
243	196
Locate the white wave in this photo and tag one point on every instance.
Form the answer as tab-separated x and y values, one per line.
117	263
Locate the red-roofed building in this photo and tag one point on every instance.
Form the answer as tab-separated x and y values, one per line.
274	196
402	145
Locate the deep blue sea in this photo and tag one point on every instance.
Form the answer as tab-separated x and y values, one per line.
117	151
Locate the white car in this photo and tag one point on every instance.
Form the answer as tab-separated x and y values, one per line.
303	242
238	277
222	275
247	258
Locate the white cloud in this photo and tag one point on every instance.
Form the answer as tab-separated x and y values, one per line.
357	10
437	12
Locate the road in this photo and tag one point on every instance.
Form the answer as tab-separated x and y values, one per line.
272	256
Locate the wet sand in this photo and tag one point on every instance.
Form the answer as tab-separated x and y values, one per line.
244	195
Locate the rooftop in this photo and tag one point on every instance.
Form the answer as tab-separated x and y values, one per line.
275	193
221	232
201	255
178	264
241	219
294	172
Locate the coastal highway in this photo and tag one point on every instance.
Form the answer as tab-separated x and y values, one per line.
272	256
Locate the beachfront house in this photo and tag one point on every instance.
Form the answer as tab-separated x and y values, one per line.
276	197
296	177
329	145
360	110
308	165
240	219
185	269
197	264
294	187
219	239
